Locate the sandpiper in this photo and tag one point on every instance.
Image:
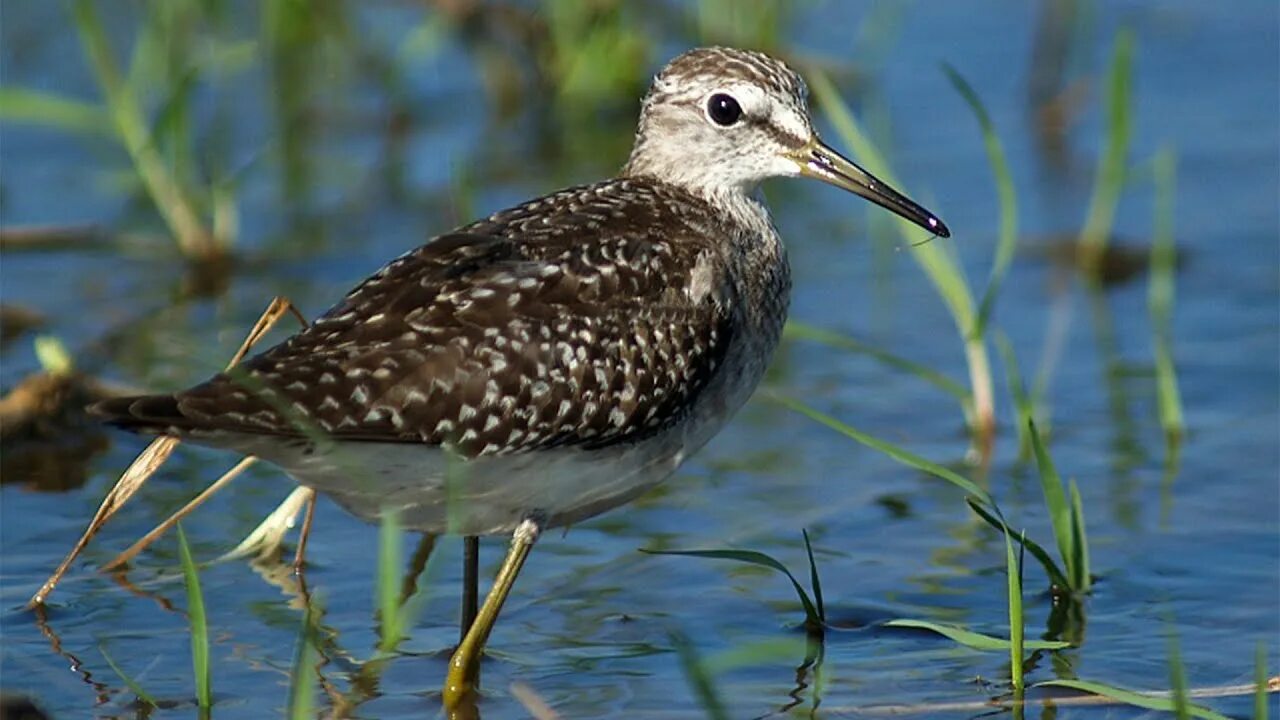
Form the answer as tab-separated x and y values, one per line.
553	360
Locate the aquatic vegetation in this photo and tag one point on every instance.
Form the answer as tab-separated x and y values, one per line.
1112	165
934	258
554	85
201	669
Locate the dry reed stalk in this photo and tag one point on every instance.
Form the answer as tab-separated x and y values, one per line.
150	460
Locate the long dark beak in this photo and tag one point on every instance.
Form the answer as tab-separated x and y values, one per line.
817	160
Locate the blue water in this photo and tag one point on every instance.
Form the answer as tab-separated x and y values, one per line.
589	627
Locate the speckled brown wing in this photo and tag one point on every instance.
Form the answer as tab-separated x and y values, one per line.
530	329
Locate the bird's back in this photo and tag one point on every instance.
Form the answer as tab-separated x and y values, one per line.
592	316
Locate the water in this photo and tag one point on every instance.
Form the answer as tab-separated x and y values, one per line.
590	626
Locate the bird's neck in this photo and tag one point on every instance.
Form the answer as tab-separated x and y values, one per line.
744	204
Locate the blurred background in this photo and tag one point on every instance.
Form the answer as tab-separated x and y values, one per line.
1111	174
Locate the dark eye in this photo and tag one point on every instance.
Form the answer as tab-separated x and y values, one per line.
723	110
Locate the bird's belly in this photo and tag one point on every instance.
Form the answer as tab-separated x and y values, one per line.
433	491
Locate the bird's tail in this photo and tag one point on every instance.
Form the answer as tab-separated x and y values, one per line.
146	414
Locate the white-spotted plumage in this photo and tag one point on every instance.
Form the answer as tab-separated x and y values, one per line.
560	357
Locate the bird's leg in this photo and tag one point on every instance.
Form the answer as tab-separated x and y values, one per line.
464	666
470	583
300	555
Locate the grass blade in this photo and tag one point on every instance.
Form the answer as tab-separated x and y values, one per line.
1056	502
814	582
1178	679
1007	242
301	678
1079	542
1017	628
1022	404
699	678
974	640
939	266
1110	177
803	331
199	624
126	113
1150	701
1260	682
388	590
49	110
129	682
1056	576
1160	294
903	456
813	620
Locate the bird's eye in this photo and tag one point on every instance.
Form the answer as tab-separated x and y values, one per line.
723	110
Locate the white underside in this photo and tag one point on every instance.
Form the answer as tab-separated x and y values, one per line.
432	491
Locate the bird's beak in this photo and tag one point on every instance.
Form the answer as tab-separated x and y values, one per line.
817	160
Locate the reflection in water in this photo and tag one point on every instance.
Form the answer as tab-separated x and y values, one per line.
1051	99
815	651
102	692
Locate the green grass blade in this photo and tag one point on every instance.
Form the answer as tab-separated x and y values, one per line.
698	676
390	535
1178	680
1056	576
46	109
302	677
775	650
1079	542
199	624
1149	701
813	620
1017	628
1007	239
814	582
942	269
1022	404
125	110
129	682
803	331
1260	683
903	456
1160	295
1110	174
971	639
1056	502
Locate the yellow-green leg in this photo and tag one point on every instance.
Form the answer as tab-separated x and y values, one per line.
464	666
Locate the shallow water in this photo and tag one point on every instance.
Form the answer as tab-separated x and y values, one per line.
589	628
